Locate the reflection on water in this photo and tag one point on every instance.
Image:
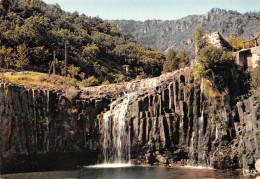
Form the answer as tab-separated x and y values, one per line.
131	173
110	165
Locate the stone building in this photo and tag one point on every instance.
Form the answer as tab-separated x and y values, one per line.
246	57
218	41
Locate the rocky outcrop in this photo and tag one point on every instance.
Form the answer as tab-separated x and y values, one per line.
177	34
44	130
178	123
247	128
170	121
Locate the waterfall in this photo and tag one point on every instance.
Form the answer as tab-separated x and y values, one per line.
116	132
201	154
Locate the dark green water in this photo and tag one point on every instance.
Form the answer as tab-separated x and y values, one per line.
131	173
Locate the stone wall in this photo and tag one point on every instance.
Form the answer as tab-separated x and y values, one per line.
248	58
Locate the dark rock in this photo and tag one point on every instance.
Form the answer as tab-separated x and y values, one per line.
175	124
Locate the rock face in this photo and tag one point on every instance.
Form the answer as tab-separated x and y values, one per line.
43	130
177	34
169	120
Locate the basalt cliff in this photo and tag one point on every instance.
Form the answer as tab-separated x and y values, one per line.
168	120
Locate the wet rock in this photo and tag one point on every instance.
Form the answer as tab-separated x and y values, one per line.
169	121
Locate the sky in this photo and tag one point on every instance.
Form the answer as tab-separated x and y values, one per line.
152	9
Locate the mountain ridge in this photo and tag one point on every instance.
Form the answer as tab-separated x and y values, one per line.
164	34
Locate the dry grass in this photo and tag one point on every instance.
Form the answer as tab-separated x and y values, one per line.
39	79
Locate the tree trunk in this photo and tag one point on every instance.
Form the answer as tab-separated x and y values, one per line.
54	63
66	60
50	65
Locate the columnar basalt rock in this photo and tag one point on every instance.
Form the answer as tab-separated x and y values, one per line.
170	121
43	129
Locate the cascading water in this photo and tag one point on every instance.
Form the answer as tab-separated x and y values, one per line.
201	154
116	138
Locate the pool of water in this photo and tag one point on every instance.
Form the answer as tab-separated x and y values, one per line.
130	172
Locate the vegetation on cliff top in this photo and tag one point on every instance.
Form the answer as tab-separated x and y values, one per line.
217	66
38	78
35	36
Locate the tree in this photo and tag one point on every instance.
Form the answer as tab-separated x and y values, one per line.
73	71
175	61
90	52
22	57
4	5
236	41
255	76
183	59
119	78
7	56
216	66
142	75
152	62
91	81
199	39
172	61
91	43
82	75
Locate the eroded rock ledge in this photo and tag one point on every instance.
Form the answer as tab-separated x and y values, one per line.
171	122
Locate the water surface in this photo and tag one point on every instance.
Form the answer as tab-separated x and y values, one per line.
131	172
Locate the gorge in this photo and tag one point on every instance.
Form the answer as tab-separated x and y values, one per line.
165	120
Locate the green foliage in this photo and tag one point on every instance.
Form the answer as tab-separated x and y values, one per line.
22	58
217	66
184	60
90	52
73	71
95	46
171	62
142	75
119	78
7	57
175	61
199	39
255	76
106	82
236	41
82	75
91	81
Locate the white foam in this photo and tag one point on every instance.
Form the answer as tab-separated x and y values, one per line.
197	167
110	165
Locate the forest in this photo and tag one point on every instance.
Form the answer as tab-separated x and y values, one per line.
35	36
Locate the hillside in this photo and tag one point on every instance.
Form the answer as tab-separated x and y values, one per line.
161	35
33	33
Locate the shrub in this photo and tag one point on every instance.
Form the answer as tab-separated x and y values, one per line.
119	78
73	71
224	75
255	76
142	75
175	61
105	82
91	81
236	41
215	65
